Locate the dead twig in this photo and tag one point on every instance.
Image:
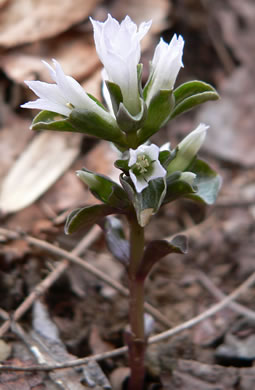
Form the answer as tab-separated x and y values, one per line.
219	295
49	280
72	257
160	337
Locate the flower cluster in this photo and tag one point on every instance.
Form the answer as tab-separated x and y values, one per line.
134	113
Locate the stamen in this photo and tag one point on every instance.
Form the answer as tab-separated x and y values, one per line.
142	163
69	105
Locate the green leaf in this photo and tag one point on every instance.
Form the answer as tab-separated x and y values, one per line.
48	120
148	201
177	188
139	78
115	239
115	94
166	156
207	181
191	94
104	189
86	216
131	123
89	122
122	165
159	111
157	249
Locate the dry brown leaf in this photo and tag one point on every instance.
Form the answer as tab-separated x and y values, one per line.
3	2
25	21
10	149
40	165
237	22
231	135
74	50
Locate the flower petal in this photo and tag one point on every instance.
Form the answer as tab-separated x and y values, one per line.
158	171
42	104
71	89
139	183
166	64
118	47
46	91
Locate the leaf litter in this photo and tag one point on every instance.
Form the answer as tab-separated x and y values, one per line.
221	246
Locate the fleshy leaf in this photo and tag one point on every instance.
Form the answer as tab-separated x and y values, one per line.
177	188
115	94
207	181
115	239
159	111
166	156
191	94
104	189
157	249
122	165
148	201
86	216
48	120
131	123
89	122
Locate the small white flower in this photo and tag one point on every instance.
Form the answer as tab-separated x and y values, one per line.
188	148
165	66
118	47
62	96
145	166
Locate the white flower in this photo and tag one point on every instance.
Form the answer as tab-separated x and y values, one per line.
165	66
188	148
145	166
62	96
118	47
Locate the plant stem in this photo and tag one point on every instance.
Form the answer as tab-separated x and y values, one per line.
136	341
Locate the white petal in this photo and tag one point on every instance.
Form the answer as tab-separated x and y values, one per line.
118	47
42	104
133	153
46	91
194	140
143	29
166	64
151	150
158	171
166	146
71	89
188	148
105	92
139	183
51	70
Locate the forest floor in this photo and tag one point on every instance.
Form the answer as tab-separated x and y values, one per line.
55	309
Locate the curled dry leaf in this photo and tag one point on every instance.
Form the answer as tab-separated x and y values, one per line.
24	21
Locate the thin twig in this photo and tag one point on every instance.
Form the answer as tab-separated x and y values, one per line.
72	257
49	280
154	339
218	294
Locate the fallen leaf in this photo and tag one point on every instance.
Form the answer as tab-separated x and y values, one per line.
231	120
46	158
25	21
74	50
